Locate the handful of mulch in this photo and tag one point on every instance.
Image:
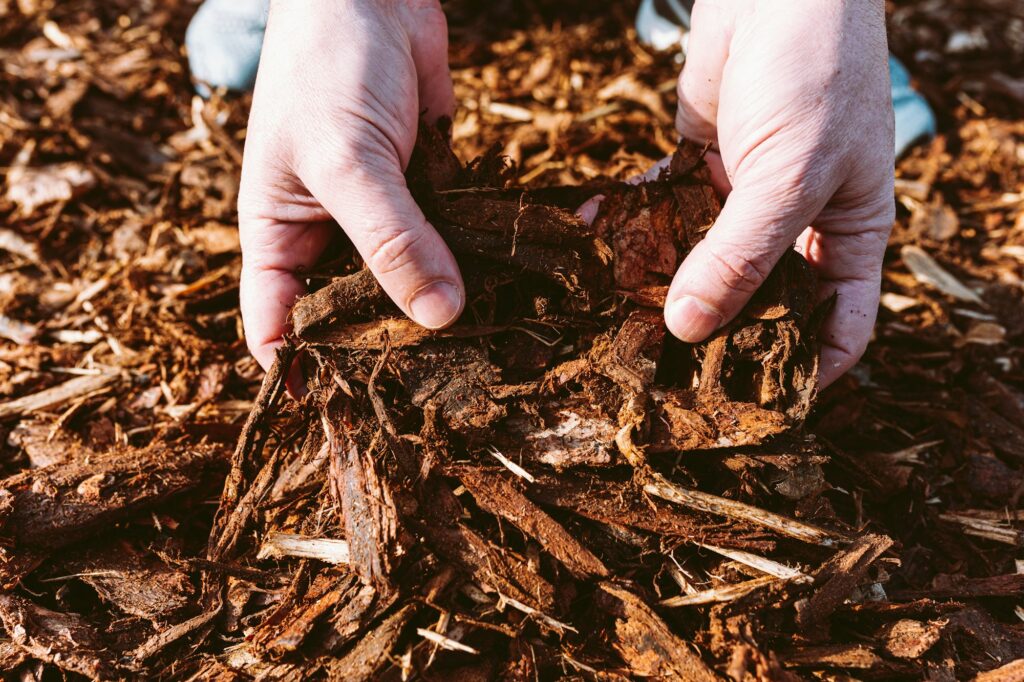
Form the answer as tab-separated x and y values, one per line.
513	474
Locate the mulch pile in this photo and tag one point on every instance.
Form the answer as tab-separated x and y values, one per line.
552	488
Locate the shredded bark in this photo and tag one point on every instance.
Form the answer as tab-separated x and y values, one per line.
553	487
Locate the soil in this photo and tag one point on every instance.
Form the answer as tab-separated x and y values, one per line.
553	488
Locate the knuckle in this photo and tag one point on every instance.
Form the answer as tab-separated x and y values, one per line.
738	270
392	250
353	155
844	356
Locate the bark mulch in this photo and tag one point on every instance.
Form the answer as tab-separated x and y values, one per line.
552	488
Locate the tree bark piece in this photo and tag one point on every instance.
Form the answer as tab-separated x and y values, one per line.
370	518
713	504
372	651
349	299
61	639
500	497
57	505
837	578
57	395
645	642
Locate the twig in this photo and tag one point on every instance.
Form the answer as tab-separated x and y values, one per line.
655	484
56	395
445	642
510	465
718	595
231	514
530	611
756	562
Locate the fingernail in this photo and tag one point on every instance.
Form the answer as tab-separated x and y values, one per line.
436	305
296	382
691	319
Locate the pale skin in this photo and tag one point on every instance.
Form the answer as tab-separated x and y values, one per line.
792	95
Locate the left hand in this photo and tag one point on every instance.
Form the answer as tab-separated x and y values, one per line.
795	98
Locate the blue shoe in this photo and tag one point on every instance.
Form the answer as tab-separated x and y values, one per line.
224	40
664	24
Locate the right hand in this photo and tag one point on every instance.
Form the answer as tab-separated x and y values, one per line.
341	88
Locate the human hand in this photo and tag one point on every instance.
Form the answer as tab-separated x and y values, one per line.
337	104
795	98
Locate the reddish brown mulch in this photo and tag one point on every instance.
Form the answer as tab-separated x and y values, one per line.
552	488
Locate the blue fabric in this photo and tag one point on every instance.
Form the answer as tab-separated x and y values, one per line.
225	38
915	120
224	41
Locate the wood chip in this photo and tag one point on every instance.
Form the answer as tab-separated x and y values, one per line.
55	396
927	271
278	545
718	595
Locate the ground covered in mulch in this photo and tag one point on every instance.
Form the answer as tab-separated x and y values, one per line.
553	488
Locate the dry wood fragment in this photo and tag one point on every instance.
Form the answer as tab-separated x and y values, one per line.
372	651
645	642
445	642
17	331
927	271
1010	672
718	595
11	655
139	584
239	499
33	187
66	502
328	550
838	577
401	333
164	638
622	503
12	242
349	620
758	563
695	499
280	637
494	567
911	639
499	496
853	656
960	587
65	640
511	466
57	395
1004	435
352	298
997	530
548	621
364	498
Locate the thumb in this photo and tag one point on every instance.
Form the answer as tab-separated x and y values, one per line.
724	270
404	252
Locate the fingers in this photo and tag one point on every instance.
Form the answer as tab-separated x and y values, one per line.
273	253
849	264
414	266
719	178
701	77
430	53
847	331
724	270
